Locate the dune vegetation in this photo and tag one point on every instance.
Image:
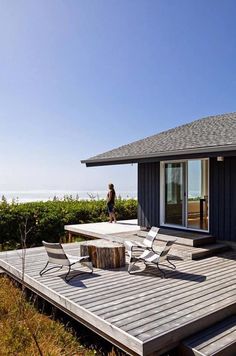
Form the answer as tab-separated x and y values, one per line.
46	220
24	331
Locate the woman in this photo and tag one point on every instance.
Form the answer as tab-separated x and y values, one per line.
111	196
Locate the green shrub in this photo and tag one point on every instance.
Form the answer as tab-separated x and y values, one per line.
46	220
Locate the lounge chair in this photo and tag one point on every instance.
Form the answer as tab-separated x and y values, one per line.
149	256
57	256
147	242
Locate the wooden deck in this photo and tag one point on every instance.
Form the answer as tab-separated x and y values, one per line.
141	313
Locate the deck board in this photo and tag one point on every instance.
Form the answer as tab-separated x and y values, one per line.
162	288
141	312
145	309
146	327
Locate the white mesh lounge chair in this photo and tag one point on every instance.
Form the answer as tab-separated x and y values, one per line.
149	256
58	257
148	241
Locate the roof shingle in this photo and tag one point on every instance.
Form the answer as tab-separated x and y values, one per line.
203	135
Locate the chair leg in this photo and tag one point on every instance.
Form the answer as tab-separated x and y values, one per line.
44	270
41	272
66	277
163	275
87	264
171	263
83	263
131	265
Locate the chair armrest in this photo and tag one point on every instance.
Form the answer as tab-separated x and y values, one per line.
74	259
135	244
130	245
142	234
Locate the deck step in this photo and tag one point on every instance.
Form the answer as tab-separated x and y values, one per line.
188	238
195	253
217	340
196	241
209	250
185	252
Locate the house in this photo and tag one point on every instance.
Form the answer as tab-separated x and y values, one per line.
186	176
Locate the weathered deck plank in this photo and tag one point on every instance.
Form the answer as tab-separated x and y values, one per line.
146	290
141	313
171	301
219	339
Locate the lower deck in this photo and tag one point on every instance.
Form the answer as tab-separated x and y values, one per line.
140	313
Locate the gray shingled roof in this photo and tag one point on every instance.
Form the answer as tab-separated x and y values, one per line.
213	133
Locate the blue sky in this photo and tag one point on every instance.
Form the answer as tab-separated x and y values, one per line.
78	78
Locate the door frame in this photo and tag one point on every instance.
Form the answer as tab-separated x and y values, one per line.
185	202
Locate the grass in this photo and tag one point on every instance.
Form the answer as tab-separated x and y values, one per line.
24	331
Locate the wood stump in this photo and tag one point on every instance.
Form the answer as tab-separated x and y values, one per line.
103	253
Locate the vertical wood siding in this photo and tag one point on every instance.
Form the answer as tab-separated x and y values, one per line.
223	199
149	194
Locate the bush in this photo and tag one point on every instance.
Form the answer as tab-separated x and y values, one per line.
47	219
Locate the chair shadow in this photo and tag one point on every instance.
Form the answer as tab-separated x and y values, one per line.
151	271
76	278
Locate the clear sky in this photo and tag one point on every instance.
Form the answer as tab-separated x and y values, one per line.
80	77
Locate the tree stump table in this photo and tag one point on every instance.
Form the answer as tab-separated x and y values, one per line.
103	253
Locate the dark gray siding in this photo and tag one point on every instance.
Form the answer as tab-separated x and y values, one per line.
148	194
223	199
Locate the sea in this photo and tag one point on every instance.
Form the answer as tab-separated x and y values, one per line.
25	196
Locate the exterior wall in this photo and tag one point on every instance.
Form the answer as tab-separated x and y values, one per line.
149	194
223	199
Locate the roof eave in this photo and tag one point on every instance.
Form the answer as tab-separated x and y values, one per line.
158	155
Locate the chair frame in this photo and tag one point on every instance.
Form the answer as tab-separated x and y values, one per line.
148	241
69	260
160	256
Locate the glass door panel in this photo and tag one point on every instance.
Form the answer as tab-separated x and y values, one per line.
174	193
197	199
186	197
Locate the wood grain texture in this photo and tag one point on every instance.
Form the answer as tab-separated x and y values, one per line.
103	253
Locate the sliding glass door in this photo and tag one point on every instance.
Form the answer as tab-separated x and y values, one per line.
197	205
174	193
186	187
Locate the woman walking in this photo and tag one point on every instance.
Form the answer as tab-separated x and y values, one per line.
111	196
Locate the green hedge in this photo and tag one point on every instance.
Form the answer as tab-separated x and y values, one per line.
46	220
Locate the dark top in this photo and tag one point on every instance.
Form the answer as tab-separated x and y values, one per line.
111	197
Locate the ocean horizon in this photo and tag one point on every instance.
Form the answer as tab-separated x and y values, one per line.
25	196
